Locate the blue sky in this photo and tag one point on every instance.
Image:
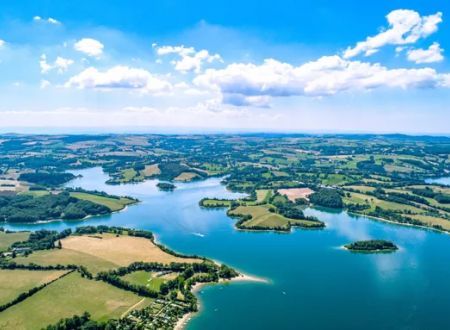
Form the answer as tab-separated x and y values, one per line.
303	66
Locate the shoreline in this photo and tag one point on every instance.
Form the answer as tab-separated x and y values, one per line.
400	223
184	320
88	217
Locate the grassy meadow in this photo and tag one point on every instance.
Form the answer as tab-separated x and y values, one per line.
6	239
262	217
14	282
150	280
113	204
66	297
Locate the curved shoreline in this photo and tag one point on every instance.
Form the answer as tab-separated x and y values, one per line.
370	217
88	217
184	320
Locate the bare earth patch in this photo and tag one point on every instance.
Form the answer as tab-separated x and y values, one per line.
294	193
151	170
10	185
186	176
121	250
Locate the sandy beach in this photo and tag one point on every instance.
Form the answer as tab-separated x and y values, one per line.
182	322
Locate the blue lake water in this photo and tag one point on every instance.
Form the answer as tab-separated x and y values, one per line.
314	284
444	180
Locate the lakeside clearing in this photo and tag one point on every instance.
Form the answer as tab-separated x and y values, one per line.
114	204
102	252
261	218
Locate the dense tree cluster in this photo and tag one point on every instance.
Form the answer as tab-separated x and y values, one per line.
27	208
327	197
209	272
47	178
164	186
369	166
42	239
82	230
430	193
372	245
289	209
84	322
98	193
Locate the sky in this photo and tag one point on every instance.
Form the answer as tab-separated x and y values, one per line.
225	66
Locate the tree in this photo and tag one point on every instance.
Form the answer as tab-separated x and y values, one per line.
327	197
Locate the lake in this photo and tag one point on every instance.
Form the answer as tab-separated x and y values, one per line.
313	283
444	180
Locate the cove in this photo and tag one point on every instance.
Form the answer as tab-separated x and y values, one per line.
314	284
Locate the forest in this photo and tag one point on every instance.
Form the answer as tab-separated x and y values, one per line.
371	245
27	208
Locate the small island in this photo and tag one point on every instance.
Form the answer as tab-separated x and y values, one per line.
165	186
371	246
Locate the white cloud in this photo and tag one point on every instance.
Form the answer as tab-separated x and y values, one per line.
61	64
398	50
190	59
89	46
119	77
405	27
2	43
446	80
430	55
53	21
45	67
49	20
44	84
245	84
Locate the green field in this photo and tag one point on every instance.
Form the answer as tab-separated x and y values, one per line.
129	174
15	282
262	217
113	204
333	179
36	193
6	239
262	195
66	297
148	279
419	212
359	198
431	220
361	188
213	203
